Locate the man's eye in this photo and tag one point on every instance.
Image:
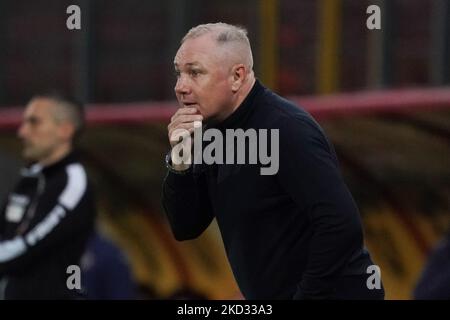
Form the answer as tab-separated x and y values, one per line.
176	73
33	121
194	73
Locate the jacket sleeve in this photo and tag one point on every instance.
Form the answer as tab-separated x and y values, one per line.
309	173
186	202
70	215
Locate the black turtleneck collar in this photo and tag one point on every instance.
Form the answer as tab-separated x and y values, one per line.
71	157
241	114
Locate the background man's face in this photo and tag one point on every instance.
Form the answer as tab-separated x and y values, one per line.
203	77
40	133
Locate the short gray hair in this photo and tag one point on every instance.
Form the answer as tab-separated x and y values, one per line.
224	33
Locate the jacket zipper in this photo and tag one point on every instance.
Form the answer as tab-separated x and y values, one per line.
32	208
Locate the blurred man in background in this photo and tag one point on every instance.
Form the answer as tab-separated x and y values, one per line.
296	234
50	214
107	274
434	282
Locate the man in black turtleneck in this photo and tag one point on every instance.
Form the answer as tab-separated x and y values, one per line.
293	234
49	216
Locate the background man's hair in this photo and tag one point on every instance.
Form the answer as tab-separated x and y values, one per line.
68	109
224	33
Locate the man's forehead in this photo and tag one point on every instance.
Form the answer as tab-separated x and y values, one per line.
39	107
194	51
189	57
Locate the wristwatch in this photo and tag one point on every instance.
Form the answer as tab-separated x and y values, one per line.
170	167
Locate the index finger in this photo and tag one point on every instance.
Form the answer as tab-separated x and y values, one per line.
183	111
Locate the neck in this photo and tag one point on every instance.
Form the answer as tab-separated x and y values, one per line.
57	155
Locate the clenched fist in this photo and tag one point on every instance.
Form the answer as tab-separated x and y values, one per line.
182	124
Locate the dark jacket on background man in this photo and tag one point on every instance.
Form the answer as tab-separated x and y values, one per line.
44	228
434	282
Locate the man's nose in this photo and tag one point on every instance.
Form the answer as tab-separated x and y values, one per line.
22	131
182	86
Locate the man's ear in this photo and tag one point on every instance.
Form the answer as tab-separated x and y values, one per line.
239	73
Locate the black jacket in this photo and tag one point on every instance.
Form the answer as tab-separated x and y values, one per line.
44	228
289	235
